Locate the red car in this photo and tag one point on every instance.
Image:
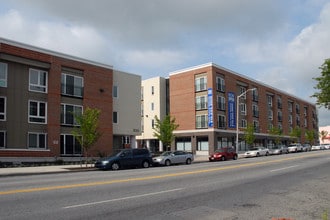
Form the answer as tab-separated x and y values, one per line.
224	153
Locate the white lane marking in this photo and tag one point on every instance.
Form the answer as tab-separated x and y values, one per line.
124	198
283	168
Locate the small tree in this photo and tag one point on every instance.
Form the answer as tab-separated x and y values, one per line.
249	136
323	85
310	136
277	132
163	130
87	131
323	135
296	133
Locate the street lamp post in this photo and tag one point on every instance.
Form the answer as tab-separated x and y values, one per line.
237	115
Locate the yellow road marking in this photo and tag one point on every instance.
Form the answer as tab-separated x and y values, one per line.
150	177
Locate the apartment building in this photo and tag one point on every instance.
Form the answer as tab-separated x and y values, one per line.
204	98
154	102
39	92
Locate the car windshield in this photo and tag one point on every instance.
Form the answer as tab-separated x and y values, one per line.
276	147
166	153
254	149
221	150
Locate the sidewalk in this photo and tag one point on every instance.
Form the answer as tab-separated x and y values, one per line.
20	171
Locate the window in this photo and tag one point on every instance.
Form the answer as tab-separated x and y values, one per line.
201	121
68	112
255	111
115	91
279	102
297	109
2	139
221	121
243	123
37	140
201	102
242	91
37	112
200	84
37	80
243	108
270	100
152	123
290	106
3	74
70	145
220	84
115	117
270	114
2	108
221	103
126	140
152	90
290	119
256	126
255	95
72	85
279	116
152	106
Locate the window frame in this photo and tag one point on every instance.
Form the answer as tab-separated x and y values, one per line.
115	117
38	140
4	113
200	83
38	116
223	124
64	114
39	85
221	103
5	79
75	144
64	85
202	123
4	144
220	84
200	103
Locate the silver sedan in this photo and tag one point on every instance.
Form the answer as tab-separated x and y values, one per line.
173	157
256	152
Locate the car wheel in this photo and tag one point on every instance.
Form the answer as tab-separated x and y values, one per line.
267	153
145	164
167	162
188	161
235	157
258	155
222	158
115	166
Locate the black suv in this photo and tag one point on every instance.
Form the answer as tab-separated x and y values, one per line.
136	157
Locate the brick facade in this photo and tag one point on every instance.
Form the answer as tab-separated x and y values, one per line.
183	107
97	93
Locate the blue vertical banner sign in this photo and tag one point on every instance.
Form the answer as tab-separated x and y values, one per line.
231	110
210	106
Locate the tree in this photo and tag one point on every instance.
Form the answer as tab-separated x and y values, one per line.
163	130
87	131
323	85
277	132
310	136
249	136
296	133
323	134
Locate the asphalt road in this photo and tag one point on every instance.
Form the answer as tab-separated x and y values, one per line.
295	186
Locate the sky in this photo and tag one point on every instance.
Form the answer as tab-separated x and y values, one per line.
280	43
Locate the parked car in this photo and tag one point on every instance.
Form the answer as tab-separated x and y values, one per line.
224	153
279	149
316	147
256	152
326	146
296	147
307	147
126	158
173	157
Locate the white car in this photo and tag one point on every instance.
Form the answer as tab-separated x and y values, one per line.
316	147
326	146
295	148
256	152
